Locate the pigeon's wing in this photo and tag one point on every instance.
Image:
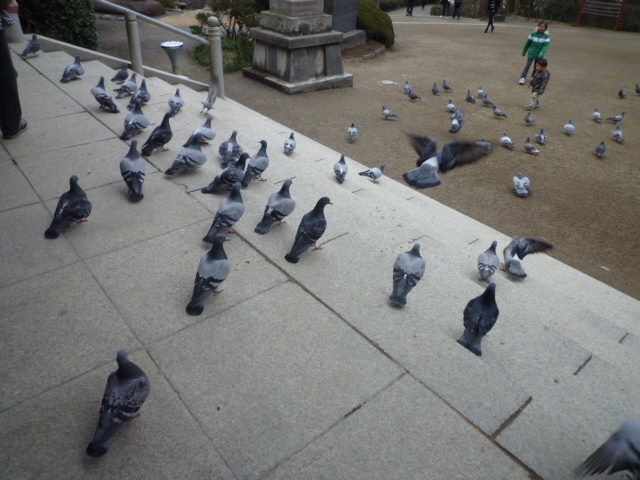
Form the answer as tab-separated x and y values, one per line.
425	176
424	146
526	246
621	452
456	153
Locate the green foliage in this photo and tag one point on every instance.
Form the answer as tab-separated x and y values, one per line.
236	54
168	3
236	16
376	23
71	21
561	10
388	5
435	10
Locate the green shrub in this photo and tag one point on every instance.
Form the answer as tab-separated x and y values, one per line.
435	10
236	54
168	3
375	23
388	5
561	10
236	16
70	21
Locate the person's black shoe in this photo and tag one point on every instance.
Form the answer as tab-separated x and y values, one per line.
23	127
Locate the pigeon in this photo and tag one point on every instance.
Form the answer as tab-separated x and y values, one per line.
486	102
213	269
127	88
311	228
352	131
176	102
73	71
202	135
142	93
480	315
289	145
340	169
230	175
257	165
522	185
387	113
451	108
373	173
619	453
515	252
32	48
529	148
542	138
618	136
413	96
431	162
481	93
616	118
435	90
407	87
103	98
488	262
121	75
622	93
230	150
134	122
446	87
601	149
408	270
470	98
597	117
528	119
498	113
638	88
279	206
212	95
160	136
126	390
505	141
189	158
133	170
569	128
73	206
229	212
486	145
457	119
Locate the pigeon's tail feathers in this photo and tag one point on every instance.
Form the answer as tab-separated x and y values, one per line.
126	135
102	439
515	268
147	148
195	309
291	258
398	300
52	232
485	273
340	176
172	170
473	346
265	225
364	174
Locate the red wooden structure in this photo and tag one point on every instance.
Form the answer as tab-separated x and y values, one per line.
603	9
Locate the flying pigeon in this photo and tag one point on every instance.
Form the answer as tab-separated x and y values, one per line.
435	90
203	134
289	145
189	158
488	262
230	150
522	185
622	93
446	87
597	117
126	390
176	102
352	131
134	122
387	113
413	96
486	102
311	228
408	270
141	94
515	252
229	176
373	173
569	128
212	95
480	315
451	108
32	48
616	118
498	113
121	75
506	142
127	88
258	164
213	269
529	148
619	453
73	71
528	119
431	162
457	119
73	206
486	145
481	93
103	98
601	149
279	206
160	136
133	170
229	212
542	138
340	169
470	97
407	87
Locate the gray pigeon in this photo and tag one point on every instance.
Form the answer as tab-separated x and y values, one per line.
486	102
279	206
103	98
212	95
413	96
134	122
387	113
522	185
498	113
32	48
481	93
311	228
451	108
488	262
601	149
189	158
618	136
457	119
616	118
340	169
528	119
569	128
505	141
408	270
515	252
619	453
374	173
470	98
352	131
541	138
529	148
73	71
407	87
257	165
229	212
127	88
213	269
203	134
230	150
229	176
176	102
289	145
479	317
486	145
597	116
160	136
435	90
141	94
133	170
622	93
73	206
126	390
121	75
446	87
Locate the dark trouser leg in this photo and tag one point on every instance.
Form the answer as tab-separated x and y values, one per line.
535	64
456	10
410	5
10	111
526	67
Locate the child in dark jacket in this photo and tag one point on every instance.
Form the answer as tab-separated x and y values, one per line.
539	83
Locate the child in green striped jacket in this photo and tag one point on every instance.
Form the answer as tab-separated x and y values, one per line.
537	44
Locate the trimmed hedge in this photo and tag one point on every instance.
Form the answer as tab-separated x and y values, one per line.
376	23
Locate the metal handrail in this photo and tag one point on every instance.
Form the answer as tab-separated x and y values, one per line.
135	52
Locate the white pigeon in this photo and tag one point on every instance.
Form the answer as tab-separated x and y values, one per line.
529	148
340	169
522	185
451	107
407	87
505	141
617	134
352	131
597	117
481	93
289	145
374	173
569	128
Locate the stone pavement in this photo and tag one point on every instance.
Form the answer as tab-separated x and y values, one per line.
294	371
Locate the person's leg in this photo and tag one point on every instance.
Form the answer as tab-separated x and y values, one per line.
535	64
490	24
526	67
10	111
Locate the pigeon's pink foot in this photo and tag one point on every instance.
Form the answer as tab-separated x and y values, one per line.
282	222
218	290
231	230
262	179
83	220
317	247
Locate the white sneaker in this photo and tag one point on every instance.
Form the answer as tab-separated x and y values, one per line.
522	80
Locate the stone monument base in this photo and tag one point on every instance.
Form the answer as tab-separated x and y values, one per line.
319	83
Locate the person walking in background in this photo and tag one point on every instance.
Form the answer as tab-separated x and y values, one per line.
410	5
446	8
11	122
492	8
538	83
537	44
456	8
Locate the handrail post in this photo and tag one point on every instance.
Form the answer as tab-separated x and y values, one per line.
135	53
215	54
